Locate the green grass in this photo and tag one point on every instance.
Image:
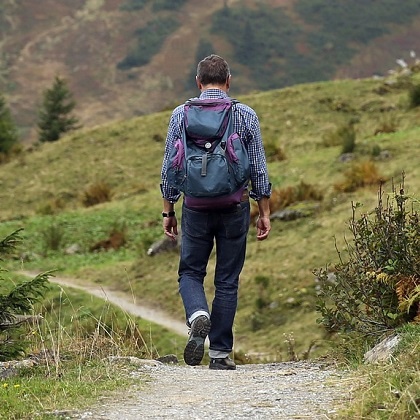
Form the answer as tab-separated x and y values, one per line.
37	393
80	332
127	156
392	390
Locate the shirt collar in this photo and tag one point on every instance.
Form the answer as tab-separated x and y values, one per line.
213	94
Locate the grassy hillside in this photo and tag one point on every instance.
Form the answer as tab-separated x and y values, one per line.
124	58
43	189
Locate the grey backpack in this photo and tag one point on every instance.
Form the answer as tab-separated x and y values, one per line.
209	164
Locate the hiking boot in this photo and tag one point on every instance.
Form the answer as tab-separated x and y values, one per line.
222	364
194	350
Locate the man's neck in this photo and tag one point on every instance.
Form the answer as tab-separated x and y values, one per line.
224	88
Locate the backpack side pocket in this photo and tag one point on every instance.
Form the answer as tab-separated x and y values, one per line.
176	170
238	158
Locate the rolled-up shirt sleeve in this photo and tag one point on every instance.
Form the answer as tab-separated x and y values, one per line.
249	127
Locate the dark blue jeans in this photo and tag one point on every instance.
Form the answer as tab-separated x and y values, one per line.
200	230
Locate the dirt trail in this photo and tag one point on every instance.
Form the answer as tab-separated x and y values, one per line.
291	390
288	390
122	301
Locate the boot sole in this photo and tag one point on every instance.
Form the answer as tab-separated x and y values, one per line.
194	350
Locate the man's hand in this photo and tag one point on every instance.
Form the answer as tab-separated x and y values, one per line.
170	227
263	222
263	228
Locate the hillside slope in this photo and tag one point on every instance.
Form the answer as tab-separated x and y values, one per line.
83	42
43	189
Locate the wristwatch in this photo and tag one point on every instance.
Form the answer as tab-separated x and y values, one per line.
169	214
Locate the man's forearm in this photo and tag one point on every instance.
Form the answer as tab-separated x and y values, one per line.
264	207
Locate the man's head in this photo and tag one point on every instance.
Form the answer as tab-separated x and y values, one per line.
213	71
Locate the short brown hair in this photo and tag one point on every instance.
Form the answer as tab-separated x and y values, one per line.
213	70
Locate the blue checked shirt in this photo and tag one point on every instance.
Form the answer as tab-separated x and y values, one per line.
246	125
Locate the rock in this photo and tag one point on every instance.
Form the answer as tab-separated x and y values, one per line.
168	359
73	249
9	369
383	350
287	215
133	360
164	245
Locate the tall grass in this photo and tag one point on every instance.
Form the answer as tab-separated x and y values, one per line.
68	362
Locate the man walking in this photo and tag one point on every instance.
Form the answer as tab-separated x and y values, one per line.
227	227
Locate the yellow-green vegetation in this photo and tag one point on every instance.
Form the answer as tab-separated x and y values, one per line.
43	191
69	354
390	390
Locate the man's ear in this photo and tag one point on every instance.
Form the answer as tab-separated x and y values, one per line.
199	85
228	82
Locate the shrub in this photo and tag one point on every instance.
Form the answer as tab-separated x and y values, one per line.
348	138
344	136
100	192
414	96
274	152
116	239
53	206
378	287
52	237
284	197
387	124
360	174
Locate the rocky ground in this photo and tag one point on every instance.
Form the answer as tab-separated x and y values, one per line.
290	390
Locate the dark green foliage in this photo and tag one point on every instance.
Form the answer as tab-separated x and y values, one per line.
53	236
338	24
263	40
278	51
55	116
378	287
157	5
149	40
348	138
18	300
204	49
344	136
343	21
414	96
8	131
130	5
9	243
167	4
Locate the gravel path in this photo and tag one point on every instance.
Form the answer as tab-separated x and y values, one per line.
292	390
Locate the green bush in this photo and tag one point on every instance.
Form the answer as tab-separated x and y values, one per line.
97	193
414	96
348	138
53	237
378	287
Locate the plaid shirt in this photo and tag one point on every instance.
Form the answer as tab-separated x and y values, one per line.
246	125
